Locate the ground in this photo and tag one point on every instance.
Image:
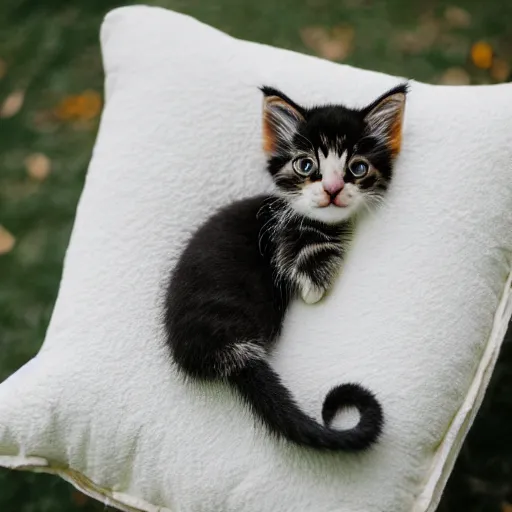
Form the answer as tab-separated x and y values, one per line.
50	101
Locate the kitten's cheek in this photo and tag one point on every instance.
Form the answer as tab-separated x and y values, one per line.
319	198
345	198
323	201
341	203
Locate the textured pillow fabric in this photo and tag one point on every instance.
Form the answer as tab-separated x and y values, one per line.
418	314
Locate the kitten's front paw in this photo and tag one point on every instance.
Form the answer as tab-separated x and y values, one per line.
311	294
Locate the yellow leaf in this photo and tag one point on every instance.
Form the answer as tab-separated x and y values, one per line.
80	107
67	108
482	54
7	241
12	104
457	17
500	70
89	104
455	76
38	166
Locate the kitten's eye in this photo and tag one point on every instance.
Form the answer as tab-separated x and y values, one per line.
359	168
305	166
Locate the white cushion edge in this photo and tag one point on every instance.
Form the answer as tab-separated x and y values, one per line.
121	501
444	460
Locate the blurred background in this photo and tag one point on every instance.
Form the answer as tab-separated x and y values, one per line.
50	103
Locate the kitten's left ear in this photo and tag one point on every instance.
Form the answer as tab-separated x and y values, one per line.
384	117
281	119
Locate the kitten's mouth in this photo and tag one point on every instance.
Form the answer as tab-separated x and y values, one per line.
340	199
339	203
334	205
336	202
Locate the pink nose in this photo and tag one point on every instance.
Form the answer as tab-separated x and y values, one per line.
333	187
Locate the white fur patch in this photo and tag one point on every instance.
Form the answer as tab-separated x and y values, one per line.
314	201
310	293
310	250
235	357
332	166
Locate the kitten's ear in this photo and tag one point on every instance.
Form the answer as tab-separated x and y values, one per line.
384	117
281	119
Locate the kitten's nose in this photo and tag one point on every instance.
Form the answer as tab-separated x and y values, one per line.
334	187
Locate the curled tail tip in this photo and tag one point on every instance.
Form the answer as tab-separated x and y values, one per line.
349	395
371	421
261	387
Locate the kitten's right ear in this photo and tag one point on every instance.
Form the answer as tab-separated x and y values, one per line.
281	119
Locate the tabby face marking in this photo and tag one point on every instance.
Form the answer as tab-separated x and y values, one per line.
329	162
331	198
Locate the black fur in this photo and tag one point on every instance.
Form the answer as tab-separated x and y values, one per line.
224	290
233	283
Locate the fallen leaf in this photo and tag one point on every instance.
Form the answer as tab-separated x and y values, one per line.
500	70
314	36
83	106
38	166
482	54
7	241
331	50
334	44
457	17
455	76
3	68
506	507
12	104
344	36
407	42
422	38
89	104
67	108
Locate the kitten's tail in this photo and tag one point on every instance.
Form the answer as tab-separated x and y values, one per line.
270	400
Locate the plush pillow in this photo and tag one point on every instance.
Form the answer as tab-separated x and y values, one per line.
418	314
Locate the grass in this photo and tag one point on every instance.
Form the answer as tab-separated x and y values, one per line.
50	51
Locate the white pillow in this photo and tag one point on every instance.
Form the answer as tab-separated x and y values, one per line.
417	316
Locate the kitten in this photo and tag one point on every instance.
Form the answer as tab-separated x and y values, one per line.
232	285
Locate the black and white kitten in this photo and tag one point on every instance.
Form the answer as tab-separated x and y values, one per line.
230	289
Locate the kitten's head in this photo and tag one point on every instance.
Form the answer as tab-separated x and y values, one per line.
329	161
